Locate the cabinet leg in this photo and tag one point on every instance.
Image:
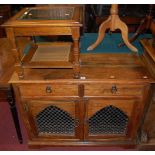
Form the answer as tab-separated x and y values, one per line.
11	101
76	52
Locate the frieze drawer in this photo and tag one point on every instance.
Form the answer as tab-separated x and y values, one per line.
48	90
113	89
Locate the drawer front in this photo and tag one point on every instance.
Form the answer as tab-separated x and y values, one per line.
113	89
48	90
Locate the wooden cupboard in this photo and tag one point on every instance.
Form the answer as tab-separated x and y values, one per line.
82	113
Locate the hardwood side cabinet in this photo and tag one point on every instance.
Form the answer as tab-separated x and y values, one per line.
95	111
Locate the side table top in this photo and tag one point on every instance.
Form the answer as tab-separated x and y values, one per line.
47	16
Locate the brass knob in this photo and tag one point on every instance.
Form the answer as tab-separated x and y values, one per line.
48	89
114	89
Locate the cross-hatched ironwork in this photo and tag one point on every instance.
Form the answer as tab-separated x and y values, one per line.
109	120
53	120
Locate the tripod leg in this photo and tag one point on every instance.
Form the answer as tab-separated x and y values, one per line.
124	30
105	25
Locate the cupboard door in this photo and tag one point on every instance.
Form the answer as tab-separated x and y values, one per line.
113	118
53	119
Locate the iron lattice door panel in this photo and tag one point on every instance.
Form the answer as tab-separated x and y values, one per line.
111	118
54	119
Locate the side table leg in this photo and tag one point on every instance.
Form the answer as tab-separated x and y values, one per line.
13	40
76	51
11	101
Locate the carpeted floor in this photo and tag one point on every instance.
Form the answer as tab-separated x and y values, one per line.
9	140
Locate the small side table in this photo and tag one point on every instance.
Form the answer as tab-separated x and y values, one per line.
46	21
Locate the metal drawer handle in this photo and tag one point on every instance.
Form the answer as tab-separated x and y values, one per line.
114	89
48	89
1	16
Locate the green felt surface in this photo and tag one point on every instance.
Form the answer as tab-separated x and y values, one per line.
109	43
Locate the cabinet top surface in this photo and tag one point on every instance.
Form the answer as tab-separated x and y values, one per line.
47	16
95	68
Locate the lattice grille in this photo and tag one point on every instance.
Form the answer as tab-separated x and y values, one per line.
109	120
53	120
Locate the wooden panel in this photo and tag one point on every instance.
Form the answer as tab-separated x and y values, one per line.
148	55
95	105
49	52
128	107
37	106
106	89
48	55
41	90
149	121
35	31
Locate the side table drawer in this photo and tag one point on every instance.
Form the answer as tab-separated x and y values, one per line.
113	89
48	90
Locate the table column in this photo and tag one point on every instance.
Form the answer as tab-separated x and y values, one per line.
76	51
